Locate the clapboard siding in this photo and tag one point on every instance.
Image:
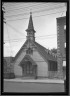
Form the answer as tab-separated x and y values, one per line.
42	66
36	56
17	68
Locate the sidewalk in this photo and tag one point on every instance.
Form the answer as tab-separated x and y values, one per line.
35	80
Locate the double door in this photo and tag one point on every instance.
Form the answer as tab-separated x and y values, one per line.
29	69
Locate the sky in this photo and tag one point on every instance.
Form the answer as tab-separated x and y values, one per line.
44	20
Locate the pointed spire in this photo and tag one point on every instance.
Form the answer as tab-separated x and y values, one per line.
30	25
30	30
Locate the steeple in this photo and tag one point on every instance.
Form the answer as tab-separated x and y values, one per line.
30	30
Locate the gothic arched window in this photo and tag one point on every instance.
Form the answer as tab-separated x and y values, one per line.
29	51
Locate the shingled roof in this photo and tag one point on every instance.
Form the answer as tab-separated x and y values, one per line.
47	54
30	25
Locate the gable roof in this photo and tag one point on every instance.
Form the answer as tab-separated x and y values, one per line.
27	58
46	54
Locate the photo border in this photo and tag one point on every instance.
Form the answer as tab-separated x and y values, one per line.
67	54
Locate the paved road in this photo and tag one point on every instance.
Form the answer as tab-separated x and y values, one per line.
32	87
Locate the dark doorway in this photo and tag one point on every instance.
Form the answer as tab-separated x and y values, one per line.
28	69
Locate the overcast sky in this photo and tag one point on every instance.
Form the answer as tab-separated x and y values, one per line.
44	19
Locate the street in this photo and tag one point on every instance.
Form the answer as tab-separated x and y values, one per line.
10	86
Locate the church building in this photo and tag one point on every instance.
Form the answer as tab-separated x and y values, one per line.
33	60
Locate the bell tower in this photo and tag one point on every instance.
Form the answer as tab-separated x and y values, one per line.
30	30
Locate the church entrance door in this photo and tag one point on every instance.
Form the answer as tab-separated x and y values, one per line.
29	69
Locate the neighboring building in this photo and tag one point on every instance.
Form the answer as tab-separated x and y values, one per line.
9	59
8	67
61	42
34	60
7	63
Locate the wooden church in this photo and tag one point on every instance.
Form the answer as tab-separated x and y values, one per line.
33	60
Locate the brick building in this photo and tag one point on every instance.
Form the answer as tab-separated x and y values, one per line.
61	44
7	71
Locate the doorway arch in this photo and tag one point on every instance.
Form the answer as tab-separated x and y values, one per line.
29	67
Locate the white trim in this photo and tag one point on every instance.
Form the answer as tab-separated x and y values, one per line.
64	63
65	44
64	27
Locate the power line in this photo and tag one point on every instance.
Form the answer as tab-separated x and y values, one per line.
15	29
9	40
33	5
46	35
28	12
38	37
36	11
16	6
16	39
46	38
10	4
25	4
20	7
37	16
25	38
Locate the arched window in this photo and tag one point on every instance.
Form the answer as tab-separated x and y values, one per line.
29	51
